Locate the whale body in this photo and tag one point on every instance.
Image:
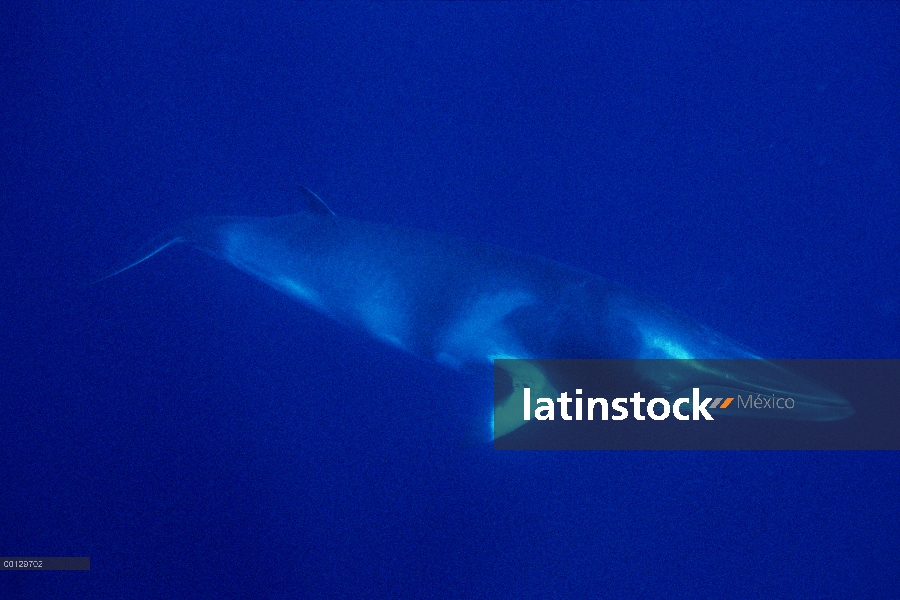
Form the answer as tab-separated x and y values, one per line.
459	302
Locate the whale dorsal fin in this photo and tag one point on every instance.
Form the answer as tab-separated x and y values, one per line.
313	203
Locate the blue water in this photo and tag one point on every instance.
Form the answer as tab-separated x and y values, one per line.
199	435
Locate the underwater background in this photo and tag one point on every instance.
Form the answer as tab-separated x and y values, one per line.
198	434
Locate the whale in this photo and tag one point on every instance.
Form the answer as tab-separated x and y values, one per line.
465	304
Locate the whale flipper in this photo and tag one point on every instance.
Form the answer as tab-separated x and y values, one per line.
173	236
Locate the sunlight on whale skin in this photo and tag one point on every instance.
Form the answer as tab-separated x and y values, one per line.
461	303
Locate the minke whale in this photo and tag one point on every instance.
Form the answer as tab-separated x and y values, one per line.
463	304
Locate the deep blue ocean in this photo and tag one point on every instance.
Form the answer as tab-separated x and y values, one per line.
200	435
